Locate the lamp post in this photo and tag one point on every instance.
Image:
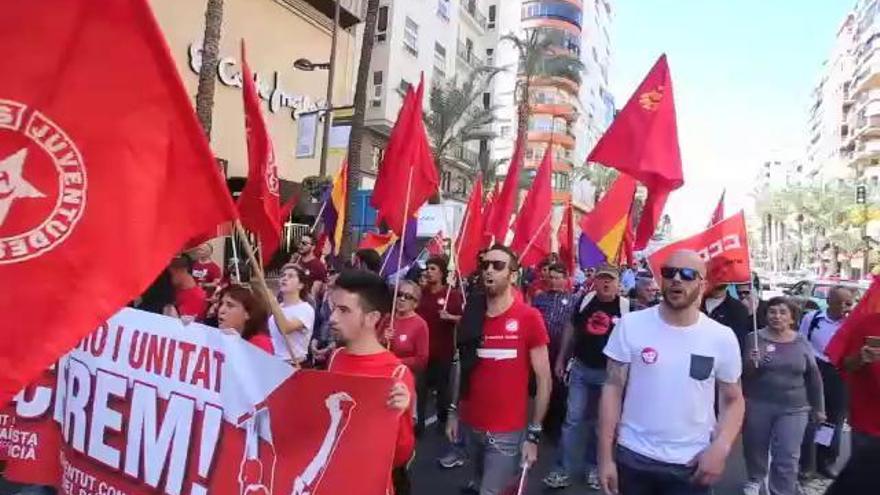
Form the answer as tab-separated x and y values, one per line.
862	199
307	65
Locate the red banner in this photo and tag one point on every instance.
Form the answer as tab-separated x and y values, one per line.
145	405
724	247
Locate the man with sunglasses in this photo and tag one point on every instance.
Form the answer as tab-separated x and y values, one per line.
658	402
312	266
494	404
756	307
593	318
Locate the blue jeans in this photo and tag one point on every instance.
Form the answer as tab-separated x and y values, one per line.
640	475
579	438
496	458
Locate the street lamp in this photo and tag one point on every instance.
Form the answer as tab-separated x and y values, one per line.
307	65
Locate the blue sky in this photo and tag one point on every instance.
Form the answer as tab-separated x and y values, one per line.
742	74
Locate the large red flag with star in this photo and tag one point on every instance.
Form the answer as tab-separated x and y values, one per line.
642	142
105	172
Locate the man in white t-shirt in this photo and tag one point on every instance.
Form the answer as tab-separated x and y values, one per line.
658	402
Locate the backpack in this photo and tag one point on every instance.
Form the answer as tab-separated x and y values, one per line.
814	324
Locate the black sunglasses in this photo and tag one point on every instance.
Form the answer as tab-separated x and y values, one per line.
687	274
496	265
408	297
744	293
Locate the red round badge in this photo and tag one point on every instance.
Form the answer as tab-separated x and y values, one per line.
649	355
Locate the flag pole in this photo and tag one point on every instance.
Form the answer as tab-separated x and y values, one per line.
454	254
402	247
535	237
318	218
235	258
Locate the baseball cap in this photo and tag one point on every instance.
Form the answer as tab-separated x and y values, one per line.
609	271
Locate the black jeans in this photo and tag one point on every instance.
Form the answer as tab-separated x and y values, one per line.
640	475
400	480
435	377
819	457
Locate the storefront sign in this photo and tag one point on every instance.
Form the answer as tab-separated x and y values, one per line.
229	74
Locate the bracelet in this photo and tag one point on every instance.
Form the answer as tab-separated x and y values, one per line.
533	436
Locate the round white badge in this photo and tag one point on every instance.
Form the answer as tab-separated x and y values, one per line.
441	302
511	326
565	302
42	183
403	338
771	348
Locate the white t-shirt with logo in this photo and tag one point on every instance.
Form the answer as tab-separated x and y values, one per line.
298	341
669	404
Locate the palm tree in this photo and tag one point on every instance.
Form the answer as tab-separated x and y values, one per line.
210	59
457	114
541	54
357	122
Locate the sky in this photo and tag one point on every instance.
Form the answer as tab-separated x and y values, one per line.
742	73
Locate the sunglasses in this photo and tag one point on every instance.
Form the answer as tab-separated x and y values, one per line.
406	297
687	274
744	293
496	265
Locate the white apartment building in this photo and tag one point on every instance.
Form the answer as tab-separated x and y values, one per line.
449	38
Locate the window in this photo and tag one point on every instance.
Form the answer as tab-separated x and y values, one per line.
411	36
487	100
403	87
492	15
376	100
558	9
439	60
505	131
490	56
382	25
376	157
443	9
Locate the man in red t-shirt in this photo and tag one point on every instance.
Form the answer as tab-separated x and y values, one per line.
441	310
360	300
494	407
204	270
305	258
190	300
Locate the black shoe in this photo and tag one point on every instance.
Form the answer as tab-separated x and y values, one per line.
827	472
471	488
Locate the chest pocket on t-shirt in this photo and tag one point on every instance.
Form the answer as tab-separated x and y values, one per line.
701	366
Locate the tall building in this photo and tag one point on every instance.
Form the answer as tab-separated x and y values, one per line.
571	110
447	39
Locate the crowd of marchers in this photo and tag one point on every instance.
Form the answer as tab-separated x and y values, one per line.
643	381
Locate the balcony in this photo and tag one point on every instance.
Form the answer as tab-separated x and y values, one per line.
565	110
463	155
467	55
351	12
470	7
564	139
867	126
867	73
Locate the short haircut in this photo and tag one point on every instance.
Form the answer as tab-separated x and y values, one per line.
309	235
417	291
440	262
642	282
793	308
181	262
558	268
839	288
514	259
370	259
373	293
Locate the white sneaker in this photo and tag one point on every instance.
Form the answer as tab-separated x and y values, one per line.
751	488
593	480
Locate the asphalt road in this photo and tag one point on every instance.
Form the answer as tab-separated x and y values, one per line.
430	479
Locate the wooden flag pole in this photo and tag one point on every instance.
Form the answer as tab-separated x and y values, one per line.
535	237
402	247
235	258
258	270
453	253
318	218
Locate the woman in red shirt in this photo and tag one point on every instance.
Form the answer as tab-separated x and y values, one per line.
240	310
409	340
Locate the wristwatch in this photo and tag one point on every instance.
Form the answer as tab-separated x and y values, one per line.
534	433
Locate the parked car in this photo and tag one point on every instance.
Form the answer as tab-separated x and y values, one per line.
816	291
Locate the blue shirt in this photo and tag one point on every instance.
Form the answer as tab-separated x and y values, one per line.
556	307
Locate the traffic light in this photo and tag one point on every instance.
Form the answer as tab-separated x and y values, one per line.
861	194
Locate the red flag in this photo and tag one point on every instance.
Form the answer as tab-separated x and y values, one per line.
408	155
724	247
488	207
565	236
115	164
504	203
862	322
718	214
628	255
531	234
435	245
642	142
376	241
470	236
259	204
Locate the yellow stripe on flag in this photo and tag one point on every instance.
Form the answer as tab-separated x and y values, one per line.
610	244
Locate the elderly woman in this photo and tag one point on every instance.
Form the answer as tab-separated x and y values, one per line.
783	388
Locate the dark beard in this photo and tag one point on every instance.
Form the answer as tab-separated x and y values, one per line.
689	300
